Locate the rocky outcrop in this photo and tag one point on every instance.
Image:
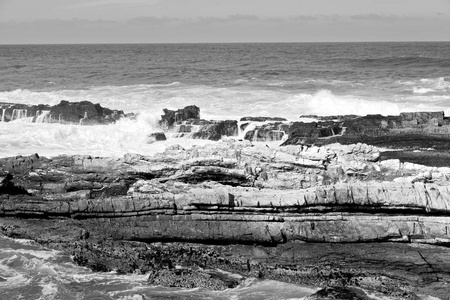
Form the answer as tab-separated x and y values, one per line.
156	137
171	117
340	216
207	130
84	113
408	130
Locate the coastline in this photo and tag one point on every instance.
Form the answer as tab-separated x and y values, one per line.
334	216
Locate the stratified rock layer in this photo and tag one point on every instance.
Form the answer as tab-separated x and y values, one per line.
333	215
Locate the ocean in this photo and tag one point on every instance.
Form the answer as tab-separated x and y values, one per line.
227	81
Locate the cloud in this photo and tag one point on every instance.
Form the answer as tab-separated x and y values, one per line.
102	3
234	28
376	17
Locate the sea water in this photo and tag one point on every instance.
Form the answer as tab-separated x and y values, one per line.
28	271
227	81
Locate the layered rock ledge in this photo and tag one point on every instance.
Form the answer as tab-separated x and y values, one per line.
326	216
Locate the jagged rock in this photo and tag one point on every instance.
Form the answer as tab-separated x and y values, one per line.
207	130
331	215
409	130
155	137
171	117
84	112
267	132
192	278
216	129
8	187
304	133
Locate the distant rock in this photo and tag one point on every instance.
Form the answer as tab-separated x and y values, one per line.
267	132
408	130
214	130
84	113
155	137
263	119
171	117
330	118
186	122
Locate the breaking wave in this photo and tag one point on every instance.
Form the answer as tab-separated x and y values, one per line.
219	103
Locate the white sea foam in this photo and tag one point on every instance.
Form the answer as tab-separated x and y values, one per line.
422	90
130	136
41	254
49	290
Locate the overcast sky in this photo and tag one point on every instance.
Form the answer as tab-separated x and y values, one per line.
159	21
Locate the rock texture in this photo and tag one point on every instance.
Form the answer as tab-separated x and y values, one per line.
171	117
207	130
84	113
339	216
335	215
408	130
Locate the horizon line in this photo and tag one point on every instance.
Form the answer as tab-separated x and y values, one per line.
232	42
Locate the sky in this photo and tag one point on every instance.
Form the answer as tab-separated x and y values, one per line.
181	21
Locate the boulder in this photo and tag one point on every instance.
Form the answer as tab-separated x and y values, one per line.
171	117
155	137
216	129
267	132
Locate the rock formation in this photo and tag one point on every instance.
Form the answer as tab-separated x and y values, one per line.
84	113
336	216
171	117
333	215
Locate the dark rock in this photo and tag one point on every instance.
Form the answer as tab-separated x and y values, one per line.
330	118
12	111
409	130
338	293
422	117
156	136
263	119
192	278
84	112
7	186
216	129
268	132
425	157
171	117
307	133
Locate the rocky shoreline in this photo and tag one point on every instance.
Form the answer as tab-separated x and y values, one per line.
323	209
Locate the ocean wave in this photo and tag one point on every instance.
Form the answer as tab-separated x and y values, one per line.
17	66
427	85
270	98
407	61
422	90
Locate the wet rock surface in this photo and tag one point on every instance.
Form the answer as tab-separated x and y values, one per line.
171	117
84	113
339	217
335	215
